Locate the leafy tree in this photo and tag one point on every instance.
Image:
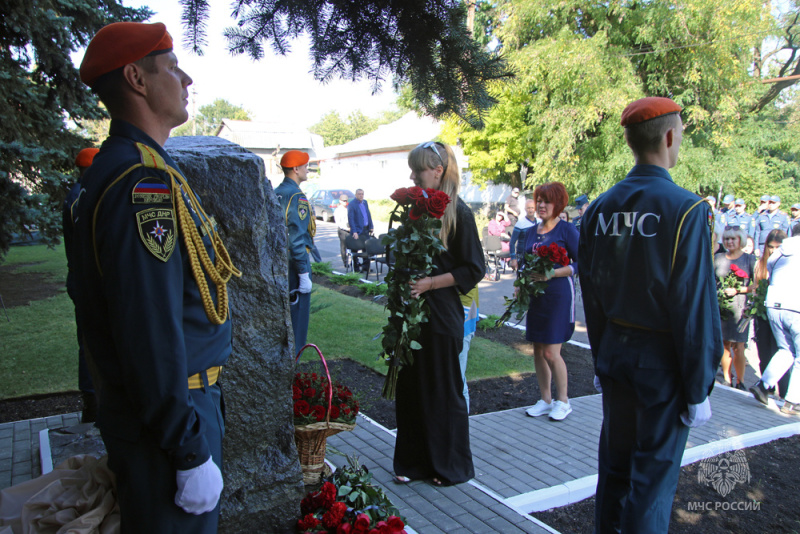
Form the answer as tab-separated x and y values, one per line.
578	63
336	131
422	42
41	91
210	116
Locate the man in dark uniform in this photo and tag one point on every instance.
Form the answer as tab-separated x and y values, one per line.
582	202
82	161
739	217
301	227
653	321
151	291
795	222
771	219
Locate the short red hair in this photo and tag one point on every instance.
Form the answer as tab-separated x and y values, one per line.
554	193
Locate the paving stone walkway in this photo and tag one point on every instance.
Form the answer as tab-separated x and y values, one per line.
522	464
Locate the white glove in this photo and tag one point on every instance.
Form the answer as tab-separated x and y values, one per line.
697	414
597	385
199	488
305	283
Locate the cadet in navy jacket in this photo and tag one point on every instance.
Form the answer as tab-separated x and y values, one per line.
653	321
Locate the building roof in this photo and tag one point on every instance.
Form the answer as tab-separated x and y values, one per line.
269	135
401	135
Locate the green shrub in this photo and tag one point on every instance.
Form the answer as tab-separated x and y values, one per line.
373	289
490	323
321	268
349	279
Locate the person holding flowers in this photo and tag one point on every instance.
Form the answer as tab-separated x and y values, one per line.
551	316
737	268
432	419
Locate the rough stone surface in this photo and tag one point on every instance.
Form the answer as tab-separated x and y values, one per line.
263	481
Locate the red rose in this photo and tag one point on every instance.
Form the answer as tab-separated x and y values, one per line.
383	527
437	204
301	408
344	528
319	413
310	393
362	522
395	523
417	211
345	409
296	393
374	531
400	196
415	194
334	412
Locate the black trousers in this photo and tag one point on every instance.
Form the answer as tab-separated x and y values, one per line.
343	249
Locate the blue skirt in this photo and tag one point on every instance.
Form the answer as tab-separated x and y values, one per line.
551	317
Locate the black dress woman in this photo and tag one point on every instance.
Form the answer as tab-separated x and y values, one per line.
432	419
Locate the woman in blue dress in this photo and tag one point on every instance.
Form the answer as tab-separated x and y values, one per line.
551	316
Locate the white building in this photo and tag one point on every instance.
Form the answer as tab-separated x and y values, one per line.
378	162
271	141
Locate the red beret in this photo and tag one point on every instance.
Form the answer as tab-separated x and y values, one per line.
294	158
648	108
85	157
120	43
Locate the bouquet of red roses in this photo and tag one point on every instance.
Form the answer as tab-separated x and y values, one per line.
733	280
415	243
544	260
310	397
349	503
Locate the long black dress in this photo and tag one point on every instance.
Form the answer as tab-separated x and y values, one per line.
432	418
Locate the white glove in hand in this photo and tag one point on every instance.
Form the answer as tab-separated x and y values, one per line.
305	283
697	414
199	488
597	385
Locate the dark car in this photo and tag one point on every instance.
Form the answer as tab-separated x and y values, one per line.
324	201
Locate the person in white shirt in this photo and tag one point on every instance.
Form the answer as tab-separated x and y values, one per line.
340	218
518	235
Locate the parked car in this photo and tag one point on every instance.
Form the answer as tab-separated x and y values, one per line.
324	201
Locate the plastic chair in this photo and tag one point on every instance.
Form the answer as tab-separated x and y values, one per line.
375	253
354	250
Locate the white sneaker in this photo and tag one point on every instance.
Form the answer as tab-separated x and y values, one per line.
560	410
540	408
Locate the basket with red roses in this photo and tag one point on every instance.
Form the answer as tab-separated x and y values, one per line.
349	503
415	243
321	409
544	260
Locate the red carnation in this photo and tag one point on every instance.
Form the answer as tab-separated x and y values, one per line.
400	196
319	413
344	528
308	522
301	408
334	516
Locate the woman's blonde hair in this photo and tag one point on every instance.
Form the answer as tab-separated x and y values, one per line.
425	157
735	231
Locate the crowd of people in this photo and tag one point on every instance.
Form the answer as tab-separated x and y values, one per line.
151	303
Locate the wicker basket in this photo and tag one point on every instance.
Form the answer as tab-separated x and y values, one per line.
311	439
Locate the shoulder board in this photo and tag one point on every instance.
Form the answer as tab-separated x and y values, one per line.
151	158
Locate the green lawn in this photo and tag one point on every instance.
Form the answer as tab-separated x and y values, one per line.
39	347
39	344
350	335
